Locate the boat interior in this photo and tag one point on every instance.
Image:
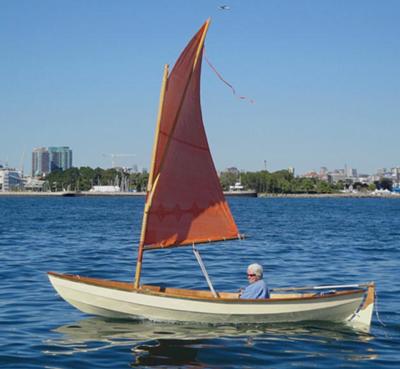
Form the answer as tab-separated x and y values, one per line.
283	294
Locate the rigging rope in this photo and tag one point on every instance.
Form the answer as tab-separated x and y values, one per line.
376	310
226	82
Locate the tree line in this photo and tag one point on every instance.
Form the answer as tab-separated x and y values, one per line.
284	182
279	182
84	178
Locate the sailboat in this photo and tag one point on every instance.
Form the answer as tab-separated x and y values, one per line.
185	206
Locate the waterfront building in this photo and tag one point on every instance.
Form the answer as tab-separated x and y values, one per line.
46	160
60	158
323	173
10	180
233	170
365	178
350	172
35	185
105	189
311	174
336	176
40	162
396	175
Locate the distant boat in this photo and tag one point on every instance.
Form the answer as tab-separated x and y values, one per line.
238	190
236	187
70	193
185	206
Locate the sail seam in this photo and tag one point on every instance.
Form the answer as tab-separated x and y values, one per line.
184	142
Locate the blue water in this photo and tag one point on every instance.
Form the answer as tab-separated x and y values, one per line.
299	242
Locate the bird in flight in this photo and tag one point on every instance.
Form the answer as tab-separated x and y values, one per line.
224	7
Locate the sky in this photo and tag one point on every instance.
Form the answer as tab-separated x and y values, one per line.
86	74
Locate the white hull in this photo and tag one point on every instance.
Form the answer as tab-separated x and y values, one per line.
114	302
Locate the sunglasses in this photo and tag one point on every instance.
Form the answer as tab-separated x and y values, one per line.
251	275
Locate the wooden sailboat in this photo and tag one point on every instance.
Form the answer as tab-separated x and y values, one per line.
185	206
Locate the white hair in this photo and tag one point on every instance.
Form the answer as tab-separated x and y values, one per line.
257	269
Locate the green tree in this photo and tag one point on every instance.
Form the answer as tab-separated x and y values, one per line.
227	179
384	184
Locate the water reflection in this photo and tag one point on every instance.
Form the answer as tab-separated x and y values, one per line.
167	344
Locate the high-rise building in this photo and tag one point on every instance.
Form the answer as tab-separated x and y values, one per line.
60	158
40	162
46	160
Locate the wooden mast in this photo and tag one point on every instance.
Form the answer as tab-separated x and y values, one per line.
150	186
153	185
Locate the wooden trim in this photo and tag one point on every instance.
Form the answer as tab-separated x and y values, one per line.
125	286
197	242
203	37
143	233
199	295
226	297
370	299
157	132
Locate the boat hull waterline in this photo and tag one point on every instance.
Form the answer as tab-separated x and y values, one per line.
120	300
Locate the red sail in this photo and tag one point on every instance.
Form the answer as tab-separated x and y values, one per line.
186	203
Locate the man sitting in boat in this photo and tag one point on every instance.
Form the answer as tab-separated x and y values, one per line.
257	288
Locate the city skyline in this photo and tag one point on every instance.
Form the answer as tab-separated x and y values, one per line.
323	76
63	160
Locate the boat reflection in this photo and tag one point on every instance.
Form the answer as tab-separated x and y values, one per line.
177	344
125	332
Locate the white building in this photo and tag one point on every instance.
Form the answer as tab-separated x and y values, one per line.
35	185
105	189
10	180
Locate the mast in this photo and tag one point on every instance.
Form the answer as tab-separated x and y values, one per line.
160	108
154	177
150	180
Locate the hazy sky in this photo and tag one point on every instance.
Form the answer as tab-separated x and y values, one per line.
325	77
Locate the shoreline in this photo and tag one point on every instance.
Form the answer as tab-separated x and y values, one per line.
329	195
226	193
70	194
106	194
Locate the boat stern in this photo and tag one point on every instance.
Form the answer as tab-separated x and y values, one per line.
361	319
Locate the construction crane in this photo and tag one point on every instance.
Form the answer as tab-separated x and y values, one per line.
114	156
22	162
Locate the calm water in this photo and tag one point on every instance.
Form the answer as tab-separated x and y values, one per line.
299	242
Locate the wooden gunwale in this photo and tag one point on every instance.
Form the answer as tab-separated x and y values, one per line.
197	295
